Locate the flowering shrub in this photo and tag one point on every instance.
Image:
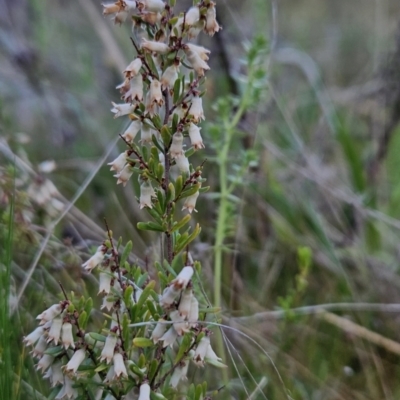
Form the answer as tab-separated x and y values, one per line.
148	340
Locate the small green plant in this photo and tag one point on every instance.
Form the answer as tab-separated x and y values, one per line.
153	329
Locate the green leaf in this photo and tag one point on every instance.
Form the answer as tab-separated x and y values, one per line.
189	192
97	337
145	294
153	366
181	223
177	91
215	363
184	346
128	296
83	317
125	254
178	185
142	342
166	135
150	226
54	351
204	189
170	192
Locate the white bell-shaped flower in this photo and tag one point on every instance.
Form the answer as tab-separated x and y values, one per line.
67	337
122	109
75	361
119	365
49	314
95	260
107	353
55	331
156	47
133	68
146	193
124	176
133	128
190	202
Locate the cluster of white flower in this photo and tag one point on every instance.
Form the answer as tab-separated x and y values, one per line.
127	359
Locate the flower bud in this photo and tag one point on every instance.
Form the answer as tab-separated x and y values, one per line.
196	109
146	135
193	316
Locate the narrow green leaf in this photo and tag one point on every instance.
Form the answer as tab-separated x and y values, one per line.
142	342
125	253
181	223
150	226
177	90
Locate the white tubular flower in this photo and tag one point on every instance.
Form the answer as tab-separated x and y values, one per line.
193	316
180	373
120	17
185	303
151	108
95	260
45	362
119	163
169	337
111	8
196	109
179	111
135	92
198	64
182	280
133	68
49	314
146	134
212	25
151	18
108	349
67	391
110	375
105	283
210	354
153	5
192	16
182	163
124	176
146	193
180	325
124	86
55	331
169	76
133	128
201	351
144	391
67	337
75	361
190	202
34	336
156	47
195	136
155	93
176	149
194	30
107	304
158	331
201	51
119	365
56	375
130	5
121	109
40	347
169	295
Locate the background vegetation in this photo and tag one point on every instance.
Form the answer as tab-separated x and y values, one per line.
314	221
